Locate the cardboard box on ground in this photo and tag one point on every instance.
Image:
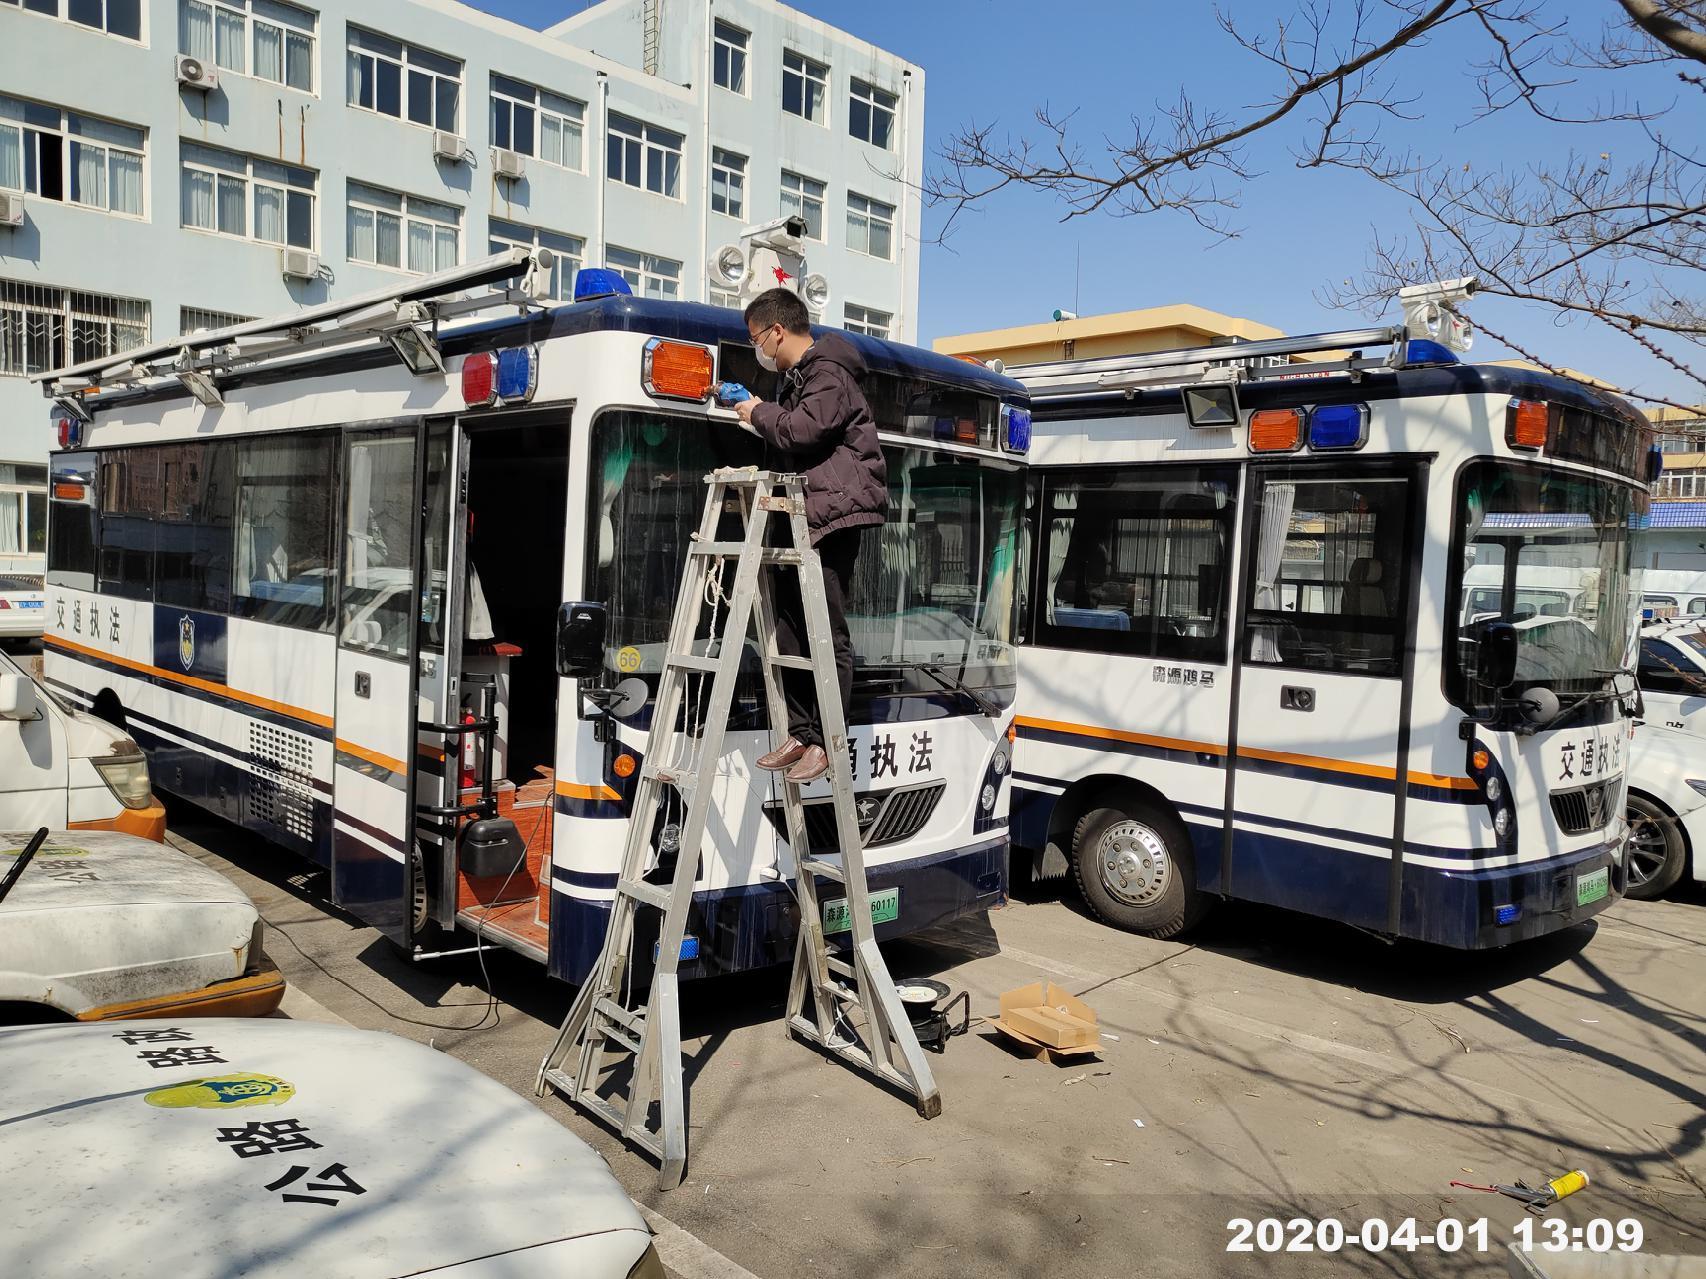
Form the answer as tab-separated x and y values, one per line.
1044	1016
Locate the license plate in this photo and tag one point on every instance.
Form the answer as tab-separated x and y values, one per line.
29	603
1593	885
885	908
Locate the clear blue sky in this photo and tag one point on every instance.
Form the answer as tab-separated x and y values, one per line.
1012	262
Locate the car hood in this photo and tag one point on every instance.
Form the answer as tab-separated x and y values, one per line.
1662	760
278	1147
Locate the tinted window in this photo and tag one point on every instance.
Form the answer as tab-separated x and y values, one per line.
193	540
1663	670
1134	560
1329	574
131	492
285	523
73	541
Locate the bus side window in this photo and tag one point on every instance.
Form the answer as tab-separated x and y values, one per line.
1340	547
1134	561
286	491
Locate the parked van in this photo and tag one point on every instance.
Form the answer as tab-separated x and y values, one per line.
61	767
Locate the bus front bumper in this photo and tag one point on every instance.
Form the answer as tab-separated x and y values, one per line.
1483	908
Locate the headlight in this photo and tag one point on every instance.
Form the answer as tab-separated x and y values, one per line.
1502	822
669	838
126	777
1494	790
1000	761
1697	785
987	798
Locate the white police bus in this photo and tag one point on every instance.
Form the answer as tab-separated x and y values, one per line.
1284	638
318	566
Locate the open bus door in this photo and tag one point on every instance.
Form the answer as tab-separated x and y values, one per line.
1317	791
381	600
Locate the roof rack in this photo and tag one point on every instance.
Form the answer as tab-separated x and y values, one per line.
407	316
1430	317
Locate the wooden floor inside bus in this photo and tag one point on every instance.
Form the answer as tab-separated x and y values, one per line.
519	905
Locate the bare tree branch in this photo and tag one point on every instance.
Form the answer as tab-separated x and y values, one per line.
1664	27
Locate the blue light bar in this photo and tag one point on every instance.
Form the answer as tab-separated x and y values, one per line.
518	374
1423	351
689	949
1338	426
1018	439
1506	914
599	282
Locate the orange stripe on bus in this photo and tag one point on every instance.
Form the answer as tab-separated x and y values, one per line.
582	790
191	681
372	757
1382	771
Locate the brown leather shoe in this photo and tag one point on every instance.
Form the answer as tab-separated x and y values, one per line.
784	755
813	764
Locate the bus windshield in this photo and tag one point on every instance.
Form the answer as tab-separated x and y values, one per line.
934	587
1549	553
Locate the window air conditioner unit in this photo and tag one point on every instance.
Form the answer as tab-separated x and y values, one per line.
300	264
446	146
11	208
508	164
193	73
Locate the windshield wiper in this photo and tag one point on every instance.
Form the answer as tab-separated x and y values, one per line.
954	684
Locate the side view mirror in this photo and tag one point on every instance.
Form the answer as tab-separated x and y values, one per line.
1499	641
18	697
581	626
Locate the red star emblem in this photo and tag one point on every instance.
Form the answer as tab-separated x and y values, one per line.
782	277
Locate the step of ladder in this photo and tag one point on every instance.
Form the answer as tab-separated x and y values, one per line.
845	1003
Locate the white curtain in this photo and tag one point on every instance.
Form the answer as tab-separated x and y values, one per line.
228	40
1277	503
11	157
299	62
91	165
420	246
231	202
1059	538
10	522
198	199
446	237
550	138
360	233
388	239
269	214
126	183
354	94
269	52
195	30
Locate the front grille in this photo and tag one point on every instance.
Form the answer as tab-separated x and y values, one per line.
885	817
1584	810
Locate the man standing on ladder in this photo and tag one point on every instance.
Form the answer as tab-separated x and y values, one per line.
822	426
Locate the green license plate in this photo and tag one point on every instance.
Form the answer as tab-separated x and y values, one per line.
1593	885
885	908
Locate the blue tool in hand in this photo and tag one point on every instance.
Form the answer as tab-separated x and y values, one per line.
731	393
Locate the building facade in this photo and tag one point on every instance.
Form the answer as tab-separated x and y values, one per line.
1088	337
172	165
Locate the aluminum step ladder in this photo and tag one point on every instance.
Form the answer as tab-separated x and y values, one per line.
845	1003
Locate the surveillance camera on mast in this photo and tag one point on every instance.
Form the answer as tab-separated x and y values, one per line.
767	256
1431	312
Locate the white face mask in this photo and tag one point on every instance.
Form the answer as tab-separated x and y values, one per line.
765	362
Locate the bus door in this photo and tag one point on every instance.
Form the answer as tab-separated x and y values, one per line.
378	650
1315	791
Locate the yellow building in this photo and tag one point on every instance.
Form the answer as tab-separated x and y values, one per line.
1155	328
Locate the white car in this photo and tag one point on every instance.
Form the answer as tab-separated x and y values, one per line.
1666	810
289	1148
23	605
1671	669
101	924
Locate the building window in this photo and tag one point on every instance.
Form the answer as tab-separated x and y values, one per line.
728	182
404	232
728	56
23	510
646	273
400	80
867	320
62	155
803	196
200	319
536	122
239	195
643	155
724	298
44	328
805	87
263	38
870	226
870	115
115	17
570	251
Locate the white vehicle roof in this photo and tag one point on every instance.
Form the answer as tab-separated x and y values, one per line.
101	918
290	1149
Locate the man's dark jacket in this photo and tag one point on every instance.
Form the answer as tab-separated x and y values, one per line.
823	427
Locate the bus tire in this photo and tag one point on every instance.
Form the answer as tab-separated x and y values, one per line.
1134	868
1655	850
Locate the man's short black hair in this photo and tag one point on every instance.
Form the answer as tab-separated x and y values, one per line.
779	306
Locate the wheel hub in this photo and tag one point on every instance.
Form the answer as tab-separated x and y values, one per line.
1134	863
1646	848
